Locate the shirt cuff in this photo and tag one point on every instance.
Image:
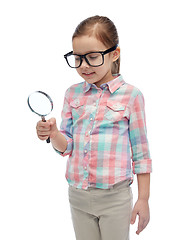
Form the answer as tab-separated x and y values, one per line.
68	149
142	166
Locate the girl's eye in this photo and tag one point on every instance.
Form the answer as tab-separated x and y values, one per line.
77	58
93	56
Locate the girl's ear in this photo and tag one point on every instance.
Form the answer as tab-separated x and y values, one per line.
116	54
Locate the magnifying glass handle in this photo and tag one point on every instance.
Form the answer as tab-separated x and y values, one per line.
47	140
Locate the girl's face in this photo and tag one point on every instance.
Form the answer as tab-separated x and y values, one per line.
96	75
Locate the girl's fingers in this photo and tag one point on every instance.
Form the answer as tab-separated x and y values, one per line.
43	134
43	128
142	224
43	125
134	215
43	137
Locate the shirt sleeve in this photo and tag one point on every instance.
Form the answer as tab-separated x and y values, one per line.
141	160
66	126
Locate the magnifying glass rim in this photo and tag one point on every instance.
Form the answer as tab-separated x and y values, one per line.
41	115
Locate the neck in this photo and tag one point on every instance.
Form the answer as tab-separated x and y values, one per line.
107	78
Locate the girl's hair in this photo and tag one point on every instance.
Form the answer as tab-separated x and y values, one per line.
104	30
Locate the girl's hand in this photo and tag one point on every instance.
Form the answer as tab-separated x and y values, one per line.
141	208
46	129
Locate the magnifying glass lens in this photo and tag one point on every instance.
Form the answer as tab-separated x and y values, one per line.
41	104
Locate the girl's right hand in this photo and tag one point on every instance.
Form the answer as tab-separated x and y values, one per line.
47	129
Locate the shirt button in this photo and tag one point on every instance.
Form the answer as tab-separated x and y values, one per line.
91	119
85	151
85	168
88	133
76	102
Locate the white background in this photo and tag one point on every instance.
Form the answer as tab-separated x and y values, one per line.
34	36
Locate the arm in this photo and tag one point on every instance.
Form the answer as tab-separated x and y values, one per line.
141	207
65	134
49	129
62	139
58	140
141	161
143	186
138	137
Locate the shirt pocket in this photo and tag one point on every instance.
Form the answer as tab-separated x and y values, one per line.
115	111
77	107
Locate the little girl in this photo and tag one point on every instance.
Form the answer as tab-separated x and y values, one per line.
103	131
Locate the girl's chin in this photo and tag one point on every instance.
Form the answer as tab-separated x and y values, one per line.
89	78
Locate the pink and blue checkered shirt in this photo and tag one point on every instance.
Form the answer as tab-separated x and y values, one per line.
106	133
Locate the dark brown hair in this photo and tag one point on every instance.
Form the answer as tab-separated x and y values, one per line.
104	30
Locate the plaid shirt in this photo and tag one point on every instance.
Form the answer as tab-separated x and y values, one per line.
106	133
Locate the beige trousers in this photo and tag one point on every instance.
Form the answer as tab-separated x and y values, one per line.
101	214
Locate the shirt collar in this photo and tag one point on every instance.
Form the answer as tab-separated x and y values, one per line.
113	84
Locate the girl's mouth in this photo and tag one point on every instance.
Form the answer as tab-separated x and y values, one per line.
88	74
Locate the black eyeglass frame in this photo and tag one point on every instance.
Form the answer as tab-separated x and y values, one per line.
84	56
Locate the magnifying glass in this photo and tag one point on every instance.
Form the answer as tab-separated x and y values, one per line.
41	104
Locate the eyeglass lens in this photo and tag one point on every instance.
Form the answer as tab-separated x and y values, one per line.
93	59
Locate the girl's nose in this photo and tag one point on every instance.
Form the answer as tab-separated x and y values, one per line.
84	64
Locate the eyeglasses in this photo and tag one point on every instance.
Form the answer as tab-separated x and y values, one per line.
94	59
